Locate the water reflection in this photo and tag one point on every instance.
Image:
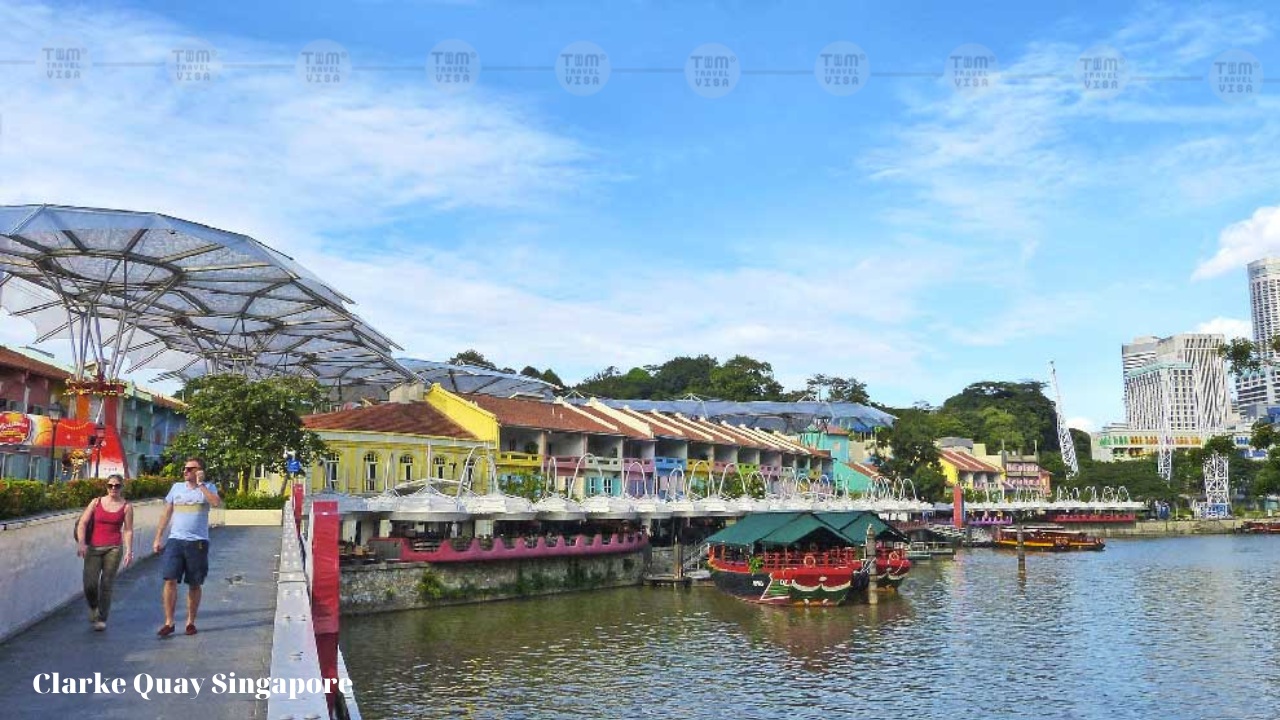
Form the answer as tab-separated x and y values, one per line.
812	634
1179	629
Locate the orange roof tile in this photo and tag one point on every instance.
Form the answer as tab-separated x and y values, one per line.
604	419
415	418
967	462
14	359
870	471
540	415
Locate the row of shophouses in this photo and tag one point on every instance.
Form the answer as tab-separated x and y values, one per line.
589	449
490	443
30	387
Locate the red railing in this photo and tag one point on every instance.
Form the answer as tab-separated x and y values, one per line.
399	549
1095	518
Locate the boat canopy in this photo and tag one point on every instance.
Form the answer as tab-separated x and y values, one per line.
793	528
854	524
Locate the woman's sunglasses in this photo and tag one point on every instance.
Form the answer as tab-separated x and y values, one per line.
113	486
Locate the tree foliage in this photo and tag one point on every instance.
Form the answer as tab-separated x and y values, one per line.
474	358
1027	421
911	452
1245	357
235	424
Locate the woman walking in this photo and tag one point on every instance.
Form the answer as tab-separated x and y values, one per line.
109	544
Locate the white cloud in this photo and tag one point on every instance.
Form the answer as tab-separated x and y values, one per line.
1082	423
1008	163
328	178
1243	242
1228	327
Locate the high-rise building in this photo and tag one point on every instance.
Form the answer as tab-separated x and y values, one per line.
1182	374
1256	391
1264	302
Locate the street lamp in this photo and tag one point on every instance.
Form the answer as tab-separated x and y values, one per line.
55	414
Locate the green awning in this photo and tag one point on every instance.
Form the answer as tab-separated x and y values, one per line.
806	527
854	524
748	530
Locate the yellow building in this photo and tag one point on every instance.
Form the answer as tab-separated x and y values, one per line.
383	445
962	468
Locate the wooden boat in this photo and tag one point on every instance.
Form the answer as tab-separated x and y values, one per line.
1051	538
1270	526
804	558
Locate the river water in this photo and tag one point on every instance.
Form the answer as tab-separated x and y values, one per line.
1168	628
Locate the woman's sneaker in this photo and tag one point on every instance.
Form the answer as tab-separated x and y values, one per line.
99	625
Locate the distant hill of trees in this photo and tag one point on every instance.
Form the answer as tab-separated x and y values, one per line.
1014	416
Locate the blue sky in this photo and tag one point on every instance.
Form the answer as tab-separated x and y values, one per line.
910	235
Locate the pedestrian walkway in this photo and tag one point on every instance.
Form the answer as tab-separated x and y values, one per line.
235	632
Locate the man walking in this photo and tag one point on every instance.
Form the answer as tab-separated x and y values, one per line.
186	554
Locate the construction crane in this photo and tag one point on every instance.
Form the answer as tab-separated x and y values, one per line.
1067	446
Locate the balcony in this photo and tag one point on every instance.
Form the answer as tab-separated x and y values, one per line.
632	465
665	465
604	463
720	466
770	472
566	462
520	460
748	468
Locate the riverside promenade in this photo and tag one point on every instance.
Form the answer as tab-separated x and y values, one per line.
235	636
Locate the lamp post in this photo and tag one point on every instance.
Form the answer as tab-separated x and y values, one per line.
55	414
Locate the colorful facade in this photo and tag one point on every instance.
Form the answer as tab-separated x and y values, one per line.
494	443
961	467
378	447
844	448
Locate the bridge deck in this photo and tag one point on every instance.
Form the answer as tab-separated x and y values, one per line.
235	630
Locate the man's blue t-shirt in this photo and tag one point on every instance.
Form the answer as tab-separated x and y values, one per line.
190	512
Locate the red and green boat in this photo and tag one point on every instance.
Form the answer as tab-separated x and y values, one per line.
804	558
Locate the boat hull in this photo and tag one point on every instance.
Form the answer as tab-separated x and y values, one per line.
792	586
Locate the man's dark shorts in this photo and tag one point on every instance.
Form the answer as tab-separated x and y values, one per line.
186	561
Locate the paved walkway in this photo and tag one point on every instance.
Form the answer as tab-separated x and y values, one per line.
236	620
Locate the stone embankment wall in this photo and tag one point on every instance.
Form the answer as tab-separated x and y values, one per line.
1165	528
384	587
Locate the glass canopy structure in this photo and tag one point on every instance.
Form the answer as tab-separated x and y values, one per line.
473	379
788	416
135	290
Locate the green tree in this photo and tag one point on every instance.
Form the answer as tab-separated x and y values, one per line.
1000	430
1025	400
472	357
235	424
743	378
831	388
682	375
1245	357
550	376
1267	481
637	383
1264	435
911	450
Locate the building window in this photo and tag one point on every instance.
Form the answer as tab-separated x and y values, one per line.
138	434
439	461
330	464
370	471
406	467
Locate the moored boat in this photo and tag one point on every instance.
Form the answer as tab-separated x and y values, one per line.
1052	538
804	558
1270	526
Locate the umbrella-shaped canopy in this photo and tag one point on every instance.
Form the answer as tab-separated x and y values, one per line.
173	295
